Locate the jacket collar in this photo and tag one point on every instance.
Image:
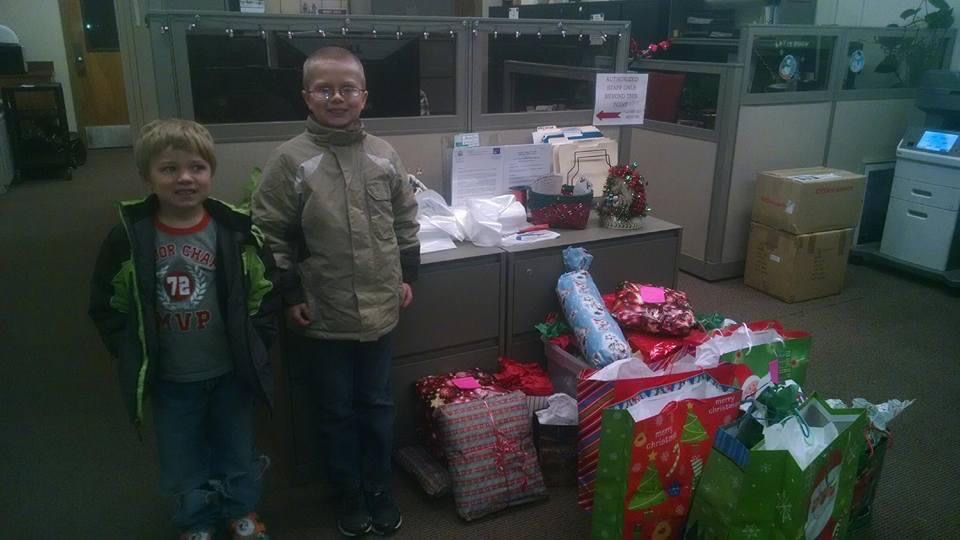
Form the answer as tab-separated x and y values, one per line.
328	136
221	212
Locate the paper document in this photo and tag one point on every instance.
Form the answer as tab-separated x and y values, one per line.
488	171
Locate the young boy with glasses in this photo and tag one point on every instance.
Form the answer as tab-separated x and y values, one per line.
339	215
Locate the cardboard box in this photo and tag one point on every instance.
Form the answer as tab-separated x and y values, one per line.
796	267
814	199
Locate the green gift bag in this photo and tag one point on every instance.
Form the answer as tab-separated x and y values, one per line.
790	356
748	492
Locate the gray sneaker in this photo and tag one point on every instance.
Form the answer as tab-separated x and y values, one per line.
384	512
352	516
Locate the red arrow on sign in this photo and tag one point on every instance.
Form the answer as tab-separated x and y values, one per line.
607	115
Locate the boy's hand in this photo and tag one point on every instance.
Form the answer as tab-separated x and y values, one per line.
298	315
407	295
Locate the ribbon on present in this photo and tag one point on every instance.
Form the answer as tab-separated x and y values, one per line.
504	446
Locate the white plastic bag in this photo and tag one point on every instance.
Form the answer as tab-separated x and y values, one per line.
438	224
561	411
487	219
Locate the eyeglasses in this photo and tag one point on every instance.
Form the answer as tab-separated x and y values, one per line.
346	92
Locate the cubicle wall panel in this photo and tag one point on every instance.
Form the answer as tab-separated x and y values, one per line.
867	131
769	137
680	172
533	277
235	160
404	377
423	152
434	322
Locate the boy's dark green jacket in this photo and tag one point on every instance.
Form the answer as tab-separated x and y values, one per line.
123	298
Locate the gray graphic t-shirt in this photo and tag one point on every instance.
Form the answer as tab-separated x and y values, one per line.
193	337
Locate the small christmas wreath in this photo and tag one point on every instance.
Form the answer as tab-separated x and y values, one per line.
624	202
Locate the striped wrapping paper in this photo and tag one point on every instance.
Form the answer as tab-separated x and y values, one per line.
592	398
490	453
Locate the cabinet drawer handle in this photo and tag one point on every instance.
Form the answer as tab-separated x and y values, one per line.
916	214
922	193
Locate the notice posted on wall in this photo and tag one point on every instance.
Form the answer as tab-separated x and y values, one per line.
621	99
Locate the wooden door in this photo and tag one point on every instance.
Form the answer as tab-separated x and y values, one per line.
96	72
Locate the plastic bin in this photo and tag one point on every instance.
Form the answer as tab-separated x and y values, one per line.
563	368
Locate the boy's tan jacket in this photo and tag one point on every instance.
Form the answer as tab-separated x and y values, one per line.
341	219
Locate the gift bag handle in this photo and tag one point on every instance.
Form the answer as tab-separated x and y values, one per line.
585	155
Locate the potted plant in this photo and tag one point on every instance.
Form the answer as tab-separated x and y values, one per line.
909	56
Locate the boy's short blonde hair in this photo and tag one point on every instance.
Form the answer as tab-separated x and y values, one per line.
330	53
175	133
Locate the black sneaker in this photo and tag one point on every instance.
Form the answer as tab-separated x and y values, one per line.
352	516
386	516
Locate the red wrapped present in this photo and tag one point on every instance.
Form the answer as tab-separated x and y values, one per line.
435	391
492	460
657	310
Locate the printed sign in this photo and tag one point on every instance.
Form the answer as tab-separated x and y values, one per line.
620	99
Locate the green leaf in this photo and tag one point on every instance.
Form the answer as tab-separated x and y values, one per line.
907	13
940	4
888	65
939	19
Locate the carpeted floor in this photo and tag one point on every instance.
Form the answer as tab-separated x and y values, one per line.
71	466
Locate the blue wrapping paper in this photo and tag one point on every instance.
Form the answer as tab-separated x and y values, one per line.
596	331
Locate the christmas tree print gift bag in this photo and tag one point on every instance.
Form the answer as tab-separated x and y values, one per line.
652	453
598	391
749	491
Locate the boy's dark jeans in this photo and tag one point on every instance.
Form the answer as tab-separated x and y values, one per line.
355	395
205	440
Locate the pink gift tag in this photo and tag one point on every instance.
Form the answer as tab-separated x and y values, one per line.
775	371
652	295
466	383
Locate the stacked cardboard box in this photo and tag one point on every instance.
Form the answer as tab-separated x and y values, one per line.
801	231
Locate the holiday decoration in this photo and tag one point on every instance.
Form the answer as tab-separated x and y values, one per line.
568	208
624	201
650	491
693	431
649	51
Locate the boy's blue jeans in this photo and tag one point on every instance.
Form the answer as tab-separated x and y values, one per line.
205	441
353	387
